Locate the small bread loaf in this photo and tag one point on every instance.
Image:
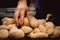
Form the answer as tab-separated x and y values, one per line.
4	33
16	33
26	29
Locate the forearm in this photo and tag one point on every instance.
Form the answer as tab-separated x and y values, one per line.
22	1
21	4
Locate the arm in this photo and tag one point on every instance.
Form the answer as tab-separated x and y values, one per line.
25	1
21	9
22	1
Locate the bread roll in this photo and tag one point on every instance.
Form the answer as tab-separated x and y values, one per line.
38	35
34	23
36	30
26	22
12	26
41	21
55	34
42	28
7	21
26	29
16	33
49	26
4	27
4	33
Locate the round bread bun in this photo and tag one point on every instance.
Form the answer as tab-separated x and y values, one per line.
7	21
12	26
26	22
4	33
16	33
26	29
49	26
55	34
4	27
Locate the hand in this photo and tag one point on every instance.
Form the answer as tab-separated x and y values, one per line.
21	9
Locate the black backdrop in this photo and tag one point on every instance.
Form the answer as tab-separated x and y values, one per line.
8	3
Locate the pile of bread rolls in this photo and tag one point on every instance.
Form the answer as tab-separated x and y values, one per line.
33	28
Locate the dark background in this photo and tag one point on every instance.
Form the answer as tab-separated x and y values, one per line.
8	3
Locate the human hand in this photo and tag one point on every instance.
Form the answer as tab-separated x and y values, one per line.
21	9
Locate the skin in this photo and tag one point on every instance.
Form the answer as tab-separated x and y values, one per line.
21	9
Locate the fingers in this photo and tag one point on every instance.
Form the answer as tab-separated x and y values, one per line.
16	14
28	14
22	17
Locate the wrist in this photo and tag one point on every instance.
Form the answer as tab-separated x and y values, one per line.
22	1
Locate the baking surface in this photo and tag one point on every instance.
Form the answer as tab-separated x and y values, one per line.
32	39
